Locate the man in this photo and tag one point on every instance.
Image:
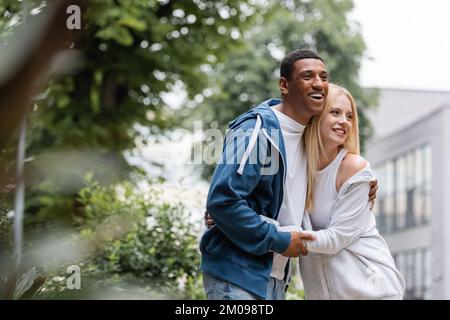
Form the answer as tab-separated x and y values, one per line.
257	204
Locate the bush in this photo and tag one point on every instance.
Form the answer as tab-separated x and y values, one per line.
136	243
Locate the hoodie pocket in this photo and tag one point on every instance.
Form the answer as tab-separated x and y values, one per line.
354	277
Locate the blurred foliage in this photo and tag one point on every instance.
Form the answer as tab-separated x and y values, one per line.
249	75
5	225
8	17
223	54
295	289
134	239
16	281
132	53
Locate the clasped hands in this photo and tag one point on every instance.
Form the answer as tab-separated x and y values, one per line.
295	248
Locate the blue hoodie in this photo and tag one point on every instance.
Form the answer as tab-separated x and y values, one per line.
239	248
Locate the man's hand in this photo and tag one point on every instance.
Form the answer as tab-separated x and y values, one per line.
296	247
373	192
209	222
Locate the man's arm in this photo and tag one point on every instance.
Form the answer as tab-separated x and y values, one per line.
296	247
227	204
373	193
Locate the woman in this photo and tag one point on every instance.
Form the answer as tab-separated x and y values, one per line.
349	259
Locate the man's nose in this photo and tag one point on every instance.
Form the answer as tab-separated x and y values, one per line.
317	83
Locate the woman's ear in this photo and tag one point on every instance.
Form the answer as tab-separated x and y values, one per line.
283	84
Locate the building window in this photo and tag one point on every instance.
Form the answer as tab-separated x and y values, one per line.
404	199
415	266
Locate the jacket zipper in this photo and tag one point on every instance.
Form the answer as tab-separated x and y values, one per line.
325	277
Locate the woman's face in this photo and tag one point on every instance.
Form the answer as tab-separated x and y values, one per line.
336	125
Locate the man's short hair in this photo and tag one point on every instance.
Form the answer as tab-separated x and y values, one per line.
286	66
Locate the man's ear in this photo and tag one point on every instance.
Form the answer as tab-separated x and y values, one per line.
283	84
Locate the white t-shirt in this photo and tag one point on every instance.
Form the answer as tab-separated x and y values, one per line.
326	193
293	205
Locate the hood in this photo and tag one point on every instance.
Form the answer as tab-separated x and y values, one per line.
268	118
266	121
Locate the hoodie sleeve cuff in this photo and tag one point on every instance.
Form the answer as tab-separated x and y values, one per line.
281	241
317	245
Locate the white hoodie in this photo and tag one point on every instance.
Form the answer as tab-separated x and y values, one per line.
349	259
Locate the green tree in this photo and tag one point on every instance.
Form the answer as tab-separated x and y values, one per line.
132	53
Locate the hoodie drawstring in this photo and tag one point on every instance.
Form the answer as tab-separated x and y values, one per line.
251	144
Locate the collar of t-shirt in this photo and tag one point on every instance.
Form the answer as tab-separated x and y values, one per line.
288	124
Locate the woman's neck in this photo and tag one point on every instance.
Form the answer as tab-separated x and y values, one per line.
328	155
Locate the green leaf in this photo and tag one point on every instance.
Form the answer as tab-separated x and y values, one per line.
133	23
119	34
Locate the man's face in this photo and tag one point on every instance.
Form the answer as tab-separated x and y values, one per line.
308	86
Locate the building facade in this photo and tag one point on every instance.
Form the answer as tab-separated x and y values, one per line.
410	154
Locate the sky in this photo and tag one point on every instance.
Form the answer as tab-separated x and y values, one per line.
408	42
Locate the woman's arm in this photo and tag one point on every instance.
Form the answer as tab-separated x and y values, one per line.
350	215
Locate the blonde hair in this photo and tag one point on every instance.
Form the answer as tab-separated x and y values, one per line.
313	142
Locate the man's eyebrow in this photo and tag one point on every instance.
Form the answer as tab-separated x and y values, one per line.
311	71
303	72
